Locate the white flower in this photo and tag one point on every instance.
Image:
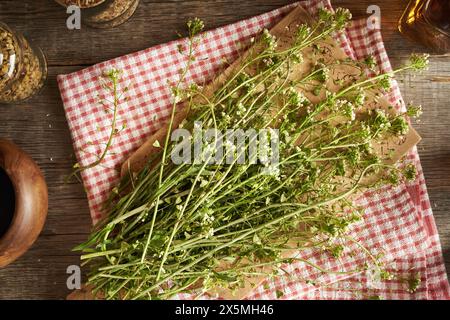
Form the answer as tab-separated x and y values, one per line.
360	98
349	111
203	183
269	40
272	170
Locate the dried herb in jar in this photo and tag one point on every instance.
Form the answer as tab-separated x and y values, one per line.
104	13
23	68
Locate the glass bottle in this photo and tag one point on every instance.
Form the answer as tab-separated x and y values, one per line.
23	67
103	13
428	22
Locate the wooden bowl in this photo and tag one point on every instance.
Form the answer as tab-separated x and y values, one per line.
31	202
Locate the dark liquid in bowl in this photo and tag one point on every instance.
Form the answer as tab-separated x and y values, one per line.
7	202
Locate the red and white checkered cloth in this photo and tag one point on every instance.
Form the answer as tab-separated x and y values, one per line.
398	222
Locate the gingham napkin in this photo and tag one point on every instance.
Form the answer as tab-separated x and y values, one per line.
398	223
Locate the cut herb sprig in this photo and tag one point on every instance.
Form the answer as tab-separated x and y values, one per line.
194	26
114	77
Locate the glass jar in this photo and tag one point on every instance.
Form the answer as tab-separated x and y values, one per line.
428	22
23	67
103	13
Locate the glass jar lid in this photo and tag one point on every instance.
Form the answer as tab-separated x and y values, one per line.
81	3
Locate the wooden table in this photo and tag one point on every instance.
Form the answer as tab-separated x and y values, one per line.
40	127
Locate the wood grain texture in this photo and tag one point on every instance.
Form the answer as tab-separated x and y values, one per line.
39	127
31	202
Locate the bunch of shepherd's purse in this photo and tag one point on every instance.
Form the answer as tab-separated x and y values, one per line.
172	228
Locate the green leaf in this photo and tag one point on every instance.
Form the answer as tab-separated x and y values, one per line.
279	294
156	144
225	277
256	239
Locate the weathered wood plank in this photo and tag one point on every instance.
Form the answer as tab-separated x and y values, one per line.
156	22
40	128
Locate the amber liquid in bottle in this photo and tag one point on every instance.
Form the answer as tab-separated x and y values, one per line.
428	22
